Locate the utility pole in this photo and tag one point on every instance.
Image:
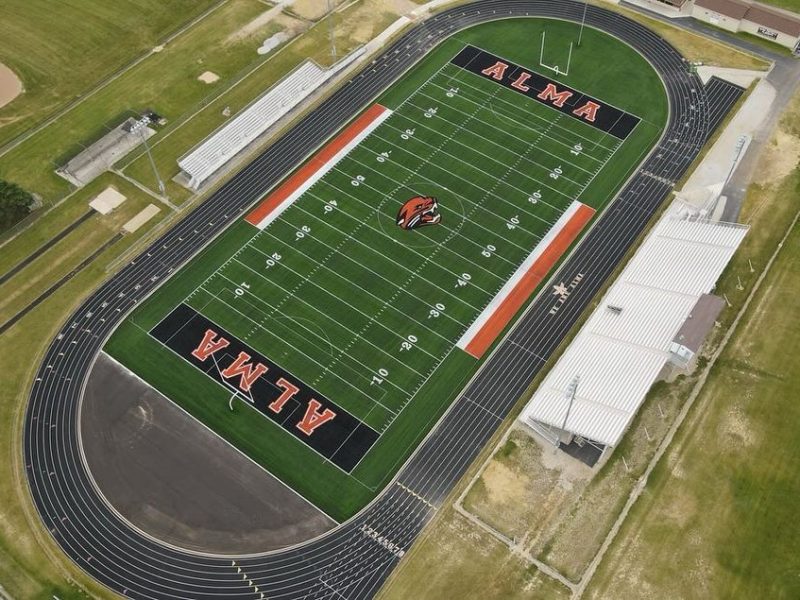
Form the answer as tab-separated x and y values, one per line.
141	127
583	22
572	390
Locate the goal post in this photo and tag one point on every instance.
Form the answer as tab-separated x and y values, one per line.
554	67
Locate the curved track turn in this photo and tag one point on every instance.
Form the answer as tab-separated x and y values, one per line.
353	560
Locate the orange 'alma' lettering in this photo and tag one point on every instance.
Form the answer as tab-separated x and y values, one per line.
289	390
208	345
519	82
313	419
552	94
588	111
248	372
496	71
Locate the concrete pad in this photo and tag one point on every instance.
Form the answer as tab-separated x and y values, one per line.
107	200
144	215
273	42
730	147
178	481
740	77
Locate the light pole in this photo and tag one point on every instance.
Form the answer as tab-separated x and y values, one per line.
141	126
583	22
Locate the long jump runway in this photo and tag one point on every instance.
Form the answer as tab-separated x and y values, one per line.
353	560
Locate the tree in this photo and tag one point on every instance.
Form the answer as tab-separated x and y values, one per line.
15	203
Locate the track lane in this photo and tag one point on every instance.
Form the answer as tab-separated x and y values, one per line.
346	561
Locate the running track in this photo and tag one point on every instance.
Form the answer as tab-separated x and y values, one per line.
353	560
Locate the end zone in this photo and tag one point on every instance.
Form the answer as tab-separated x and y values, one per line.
294	187
513	295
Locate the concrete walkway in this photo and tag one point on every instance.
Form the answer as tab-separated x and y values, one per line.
784	77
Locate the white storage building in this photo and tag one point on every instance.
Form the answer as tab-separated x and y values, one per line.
596	387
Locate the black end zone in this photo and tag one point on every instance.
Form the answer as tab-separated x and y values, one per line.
608	118
343	439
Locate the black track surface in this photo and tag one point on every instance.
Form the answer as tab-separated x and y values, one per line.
353	560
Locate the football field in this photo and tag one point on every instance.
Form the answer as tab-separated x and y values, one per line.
326	332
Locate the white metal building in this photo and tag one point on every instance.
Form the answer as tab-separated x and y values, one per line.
226	142
598	384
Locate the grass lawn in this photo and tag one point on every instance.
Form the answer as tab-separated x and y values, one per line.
722	505
61	49
695	47
793	5
461	561
60	259
361	332
354	25
165	82
717	500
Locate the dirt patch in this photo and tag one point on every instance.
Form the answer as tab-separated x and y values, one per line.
10	85
178	481
502	484
780	157
312	10
372	17
267	23
208	77
525	486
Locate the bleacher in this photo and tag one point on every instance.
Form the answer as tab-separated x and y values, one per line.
226	142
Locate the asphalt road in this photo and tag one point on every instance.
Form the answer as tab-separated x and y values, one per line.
353	560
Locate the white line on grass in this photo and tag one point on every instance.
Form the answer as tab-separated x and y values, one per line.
259	326
366	291
327	316
453	232
516	106
546	169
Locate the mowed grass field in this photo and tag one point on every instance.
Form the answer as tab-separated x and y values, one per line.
723	505
61	49
369	314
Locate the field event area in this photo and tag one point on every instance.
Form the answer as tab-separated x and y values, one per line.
373	281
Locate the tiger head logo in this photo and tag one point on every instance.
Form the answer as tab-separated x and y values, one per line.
418	211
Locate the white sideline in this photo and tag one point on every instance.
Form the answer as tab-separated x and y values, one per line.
526	265
323	170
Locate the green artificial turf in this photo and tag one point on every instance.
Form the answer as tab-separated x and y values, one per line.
348	306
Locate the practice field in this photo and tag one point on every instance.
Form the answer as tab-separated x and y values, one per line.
326	332
62	49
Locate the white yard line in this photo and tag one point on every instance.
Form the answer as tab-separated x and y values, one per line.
400	266
501	199
504	134
327	316
531	100
259	326
442	225
366	291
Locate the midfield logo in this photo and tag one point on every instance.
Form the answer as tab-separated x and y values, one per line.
418	211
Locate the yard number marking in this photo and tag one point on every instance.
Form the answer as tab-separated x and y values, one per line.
378	379
436	311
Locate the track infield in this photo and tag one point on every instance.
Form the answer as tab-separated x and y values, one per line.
324	340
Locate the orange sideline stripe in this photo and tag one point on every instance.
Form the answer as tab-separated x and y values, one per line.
312	166
528	283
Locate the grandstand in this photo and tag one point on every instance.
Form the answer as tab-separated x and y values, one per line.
658	311
216	150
